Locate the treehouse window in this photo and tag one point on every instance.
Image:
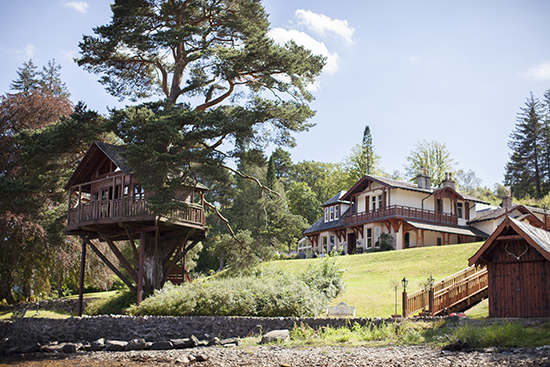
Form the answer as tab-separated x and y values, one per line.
139	192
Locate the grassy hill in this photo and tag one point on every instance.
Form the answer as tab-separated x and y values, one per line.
369	277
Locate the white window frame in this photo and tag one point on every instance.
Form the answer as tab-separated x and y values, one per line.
373	202
369	238
376	234
337	212
460	209
326	214
331	213
380	201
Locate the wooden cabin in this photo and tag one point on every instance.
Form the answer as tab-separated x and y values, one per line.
517	257
107	203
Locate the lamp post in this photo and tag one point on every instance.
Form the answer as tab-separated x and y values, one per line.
404	282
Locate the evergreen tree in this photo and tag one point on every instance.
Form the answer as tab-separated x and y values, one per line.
50	80
370	158
524	170
28	78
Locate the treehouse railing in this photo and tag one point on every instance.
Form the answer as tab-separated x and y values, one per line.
402	212
127	208
450	291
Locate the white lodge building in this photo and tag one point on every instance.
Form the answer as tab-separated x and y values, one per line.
414	215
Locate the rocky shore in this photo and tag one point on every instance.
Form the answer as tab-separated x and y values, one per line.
277	356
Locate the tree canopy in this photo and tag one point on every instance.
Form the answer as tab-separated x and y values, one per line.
432	156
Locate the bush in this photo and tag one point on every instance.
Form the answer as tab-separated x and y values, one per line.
115	305
257	292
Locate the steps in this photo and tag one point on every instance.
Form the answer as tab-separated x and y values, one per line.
452	294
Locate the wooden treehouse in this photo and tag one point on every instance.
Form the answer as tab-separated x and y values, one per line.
107	204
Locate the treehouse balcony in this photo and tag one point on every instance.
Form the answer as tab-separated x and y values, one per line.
402	212
116	201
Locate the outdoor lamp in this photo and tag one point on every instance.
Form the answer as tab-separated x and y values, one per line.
405	282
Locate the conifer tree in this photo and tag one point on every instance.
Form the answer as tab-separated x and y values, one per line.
524	170
28	78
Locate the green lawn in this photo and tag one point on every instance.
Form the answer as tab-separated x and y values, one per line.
369	277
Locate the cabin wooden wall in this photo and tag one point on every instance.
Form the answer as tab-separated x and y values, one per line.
518	288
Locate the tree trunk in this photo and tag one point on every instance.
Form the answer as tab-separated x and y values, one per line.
152	264
6	285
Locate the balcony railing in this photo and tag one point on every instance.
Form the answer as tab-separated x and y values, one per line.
402	211
127	208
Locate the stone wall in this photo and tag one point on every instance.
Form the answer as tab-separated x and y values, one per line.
155	328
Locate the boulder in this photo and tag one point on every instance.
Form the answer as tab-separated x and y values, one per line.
136	344
115	345
275	336
162	345
69	348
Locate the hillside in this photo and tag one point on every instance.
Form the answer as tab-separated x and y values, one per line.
369	277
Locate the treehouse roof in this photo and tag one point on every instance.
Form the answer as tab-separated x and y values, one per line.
96	158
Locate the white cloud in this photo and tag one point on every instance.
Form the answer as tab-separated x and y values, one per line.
79	6
538	72
68	55
321	24
25	53
281	36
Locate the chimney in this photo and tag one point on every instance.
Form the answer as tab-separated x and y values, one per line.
423	180
506	202
449	182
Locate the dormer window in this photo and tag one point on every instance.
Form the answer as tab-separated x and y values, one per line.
337	212
326	214
331	213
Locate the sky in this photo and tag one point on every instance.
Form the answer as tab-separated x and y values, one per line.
455	72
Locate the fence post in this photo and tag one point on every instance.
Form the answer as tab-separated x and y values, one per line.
405	303
431	301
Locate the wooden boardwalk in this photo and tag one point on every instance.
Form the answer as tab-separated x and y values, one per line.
452	294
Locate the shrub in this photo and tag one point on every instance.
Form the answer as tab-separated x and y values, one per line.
117	304
255	292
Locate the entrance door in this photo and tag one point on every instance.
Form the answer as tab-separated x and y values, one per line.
352	240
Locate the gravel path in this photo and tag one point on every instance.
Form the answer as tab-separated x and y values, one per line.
274	356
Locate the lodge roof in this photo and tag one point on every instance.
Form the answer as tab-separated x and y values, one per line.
336	199
321	225
389	182
491	214
536	237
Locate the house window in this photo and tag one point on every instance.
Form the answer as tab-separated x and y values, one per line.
332	243
325	246
439	206
369	237
376	234
460	210
337	212
380	202
373	203
326	214
331	213
407	240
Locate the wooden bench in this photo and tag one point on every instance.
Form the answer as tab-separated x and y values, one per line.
341	309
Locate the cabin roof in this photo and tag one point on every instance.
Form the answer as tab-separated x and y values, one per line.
536	237
95	155
458	230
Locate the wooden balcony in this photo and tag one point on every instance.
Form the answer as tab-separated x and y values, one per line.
128	210
401	211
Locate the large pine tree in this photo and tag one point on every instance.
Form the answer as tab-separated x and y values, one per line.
524	171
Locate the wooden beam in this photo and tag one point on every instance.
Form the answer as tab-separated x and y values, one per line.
109	264
512	237
132	243
120	257
81	283
141	264
178	258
